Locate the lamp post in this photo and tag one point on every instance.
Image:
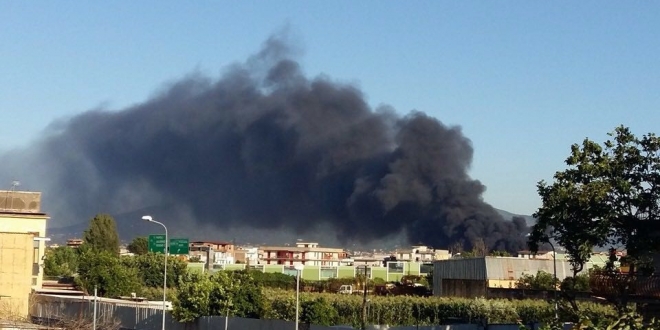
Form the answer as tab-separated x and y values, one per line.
554	284
299	269
150	219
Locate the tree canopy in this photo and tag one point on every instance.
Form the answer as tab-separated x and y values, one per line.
101	235
542	281
61	261
607	196
103	270
139	246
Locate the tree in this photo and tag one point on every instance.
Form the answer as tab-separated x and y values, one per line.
499	253
139	246
149	268
234	293
61	261
193	297
103	270
101	235
608	196
579	283
318	311
542	281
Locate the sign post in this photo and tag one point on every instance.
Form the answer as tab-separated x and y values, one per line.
157	243
179	246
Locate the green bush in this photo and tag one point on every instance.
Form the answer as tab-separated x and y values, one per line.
243	295
319	311
408	310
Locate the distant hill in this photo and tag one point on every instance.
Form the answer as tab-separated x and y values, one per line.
130	225
530	220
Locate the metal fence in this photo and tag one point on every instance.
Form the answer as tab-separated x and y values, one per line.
138	316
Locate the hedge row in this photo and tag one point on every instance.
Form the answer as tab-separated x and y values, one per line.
406	310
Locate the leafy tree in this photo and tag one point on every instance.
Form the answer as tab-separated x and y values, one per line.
318	311
275	280
608	196
61	261
541	281
193	297
104	270
139	246
579	283
149	268
235	293
102	234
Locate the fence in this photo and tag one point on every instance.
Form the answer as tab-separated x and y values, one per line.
145	316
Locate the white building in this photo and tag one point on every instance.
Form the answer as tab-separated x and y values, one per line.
304	253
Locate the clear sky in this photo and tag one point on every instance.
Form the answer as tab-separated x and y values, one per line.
524	79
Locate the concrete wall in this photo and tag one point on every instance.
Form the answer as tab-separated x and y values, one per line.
28	223
16	262
316	273
459	288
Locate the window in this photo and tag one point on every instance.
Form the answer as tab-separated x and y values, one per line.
328	272
35	257
256	267
395	267
359	270
426	268
289	270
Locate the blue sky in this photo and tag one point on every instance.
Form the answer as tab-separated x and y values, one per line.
524	79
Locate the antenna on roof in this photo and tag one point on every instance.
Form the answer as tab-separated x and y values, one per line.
14	184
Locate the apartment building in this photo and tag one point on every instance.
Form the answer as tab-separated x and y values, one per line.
247	255
304	253
22	248
543	255
422	253
74	242
213	252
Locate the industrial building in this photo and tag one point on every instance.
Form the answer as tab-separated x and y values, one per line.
22	247
471	277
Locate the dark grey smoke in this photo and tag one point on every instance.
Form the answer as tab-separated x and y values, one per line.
266	147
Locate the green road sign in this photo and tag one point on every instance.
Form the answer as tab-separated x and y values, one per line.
157	243
179	246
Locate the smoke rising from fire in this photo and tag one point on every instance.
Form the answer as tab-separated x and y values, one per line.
264	146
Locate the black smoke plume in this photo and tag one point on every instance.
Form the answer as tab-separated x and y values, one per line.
266	147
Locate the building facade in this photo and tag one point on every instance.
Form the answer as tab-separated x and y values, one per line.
22	248
247	255
422	253
212	252
304	253
471	277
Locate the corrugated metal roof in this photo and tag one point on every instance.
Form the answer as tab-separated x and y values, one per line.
464	269
497	268
508	268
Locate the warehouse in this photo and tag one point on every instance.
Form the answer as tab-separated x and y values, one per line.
471	277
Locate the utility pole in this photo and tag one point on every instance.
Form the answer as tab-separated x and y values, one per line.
364	299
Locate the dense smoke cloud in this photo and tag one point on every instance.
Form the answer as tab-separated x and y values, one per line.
266	147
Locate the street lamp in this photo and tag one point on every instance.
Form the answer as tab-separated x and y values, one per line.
554	265
150	219
299	269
